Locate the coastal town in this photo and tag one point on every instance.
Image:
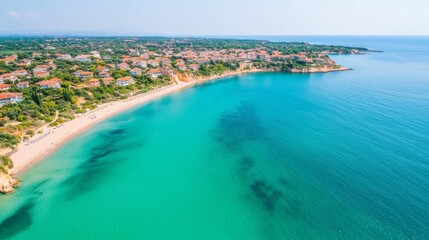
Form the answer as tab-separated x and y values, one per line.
47	82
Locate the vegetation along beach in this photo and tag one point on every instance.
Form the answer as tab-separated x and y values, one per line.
214	120
54	88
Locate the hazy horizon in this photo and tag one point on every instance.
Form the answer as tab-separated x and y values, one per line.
219	18
113	34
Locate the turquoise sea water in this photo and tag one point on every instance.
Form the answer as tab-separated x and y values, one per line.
262	156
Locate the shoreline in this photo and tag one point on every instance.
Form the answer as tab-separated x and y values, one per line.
52	138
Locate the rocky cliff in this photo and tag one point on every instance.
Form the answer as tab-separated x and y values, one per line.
7	183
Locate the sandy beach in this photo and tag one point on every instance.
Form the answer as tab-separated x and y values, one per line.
41	145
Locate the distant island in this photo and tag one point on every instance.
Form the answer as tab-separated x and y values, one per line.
54	87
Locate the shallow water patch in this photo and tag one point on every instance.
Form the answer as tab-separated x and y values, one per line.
238	126
89	173
18	222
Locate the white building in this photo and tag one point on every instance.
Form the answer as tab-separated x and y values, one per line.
22	85
142	64
64	57
4	87
125	81
8	76
10	98
21	72
154	73
52	83
83	58
136	72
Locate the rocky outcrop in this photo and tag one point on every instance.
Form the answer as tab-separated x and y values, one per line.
7	183
323	69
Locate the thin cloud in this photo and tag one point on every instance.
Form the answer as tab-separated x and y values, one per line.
14	14
30	14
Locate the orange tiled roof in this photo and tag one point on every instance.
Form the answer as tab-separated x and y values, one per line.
8	95
49	82
125	79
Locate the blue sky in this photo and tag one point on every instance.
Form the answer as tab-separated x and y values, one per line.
219	17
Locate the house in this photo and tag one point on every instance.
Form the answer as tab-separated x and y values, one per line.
108	80
125	81
41	74
22	85
36	55
21	72
41	68
136	72
141	64
135	52
181	66
278	57
263	57
64	57
93	82
95	54
180	61
25	63
299	58
9	97
153	63
83	58
165	61
124	66
144	56
52	83
9	59
104	74
169	52
203	60
4	87
243	56
194	67
7	76
167	72
13	57
102	69
126	58
49	61
86	75
83	75
154	73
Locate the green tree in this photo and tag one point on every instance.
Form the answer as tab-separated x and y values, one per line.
36	98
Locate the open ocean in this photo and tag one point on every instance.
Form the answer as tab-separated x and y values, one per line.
341	155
